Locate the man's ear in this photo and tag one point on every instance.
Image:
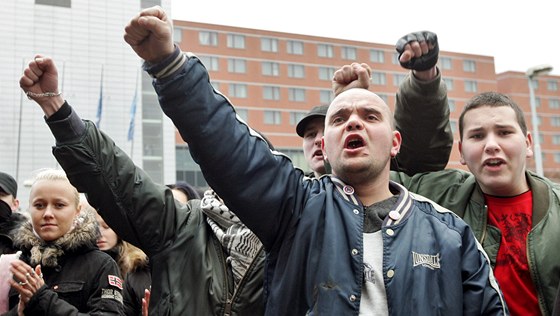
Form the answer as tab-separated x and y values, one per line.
397	141
462	160
529	142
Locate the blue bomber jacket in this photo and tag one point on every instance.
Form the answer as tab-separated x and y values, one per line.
312	229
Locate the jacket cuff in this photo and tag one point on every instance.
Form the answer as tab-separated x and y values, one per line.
425	86
65	124
166	67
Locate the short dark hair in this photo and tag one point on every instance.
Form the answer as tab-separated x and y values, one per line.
186	188
492	99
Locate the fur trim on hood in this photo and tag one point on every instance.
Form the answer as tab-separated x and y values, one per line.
84	234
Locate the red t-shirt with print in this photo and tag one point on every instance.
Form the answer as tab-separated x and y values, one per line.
513	216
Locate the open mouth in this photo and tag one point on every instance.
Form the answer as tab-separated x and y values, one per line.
318	154
494	162
354	141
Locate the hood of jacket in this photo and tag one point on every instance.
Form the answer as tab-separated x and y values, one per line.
84	234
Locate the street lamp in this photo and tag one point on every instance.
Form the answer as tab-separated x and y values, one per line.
531	74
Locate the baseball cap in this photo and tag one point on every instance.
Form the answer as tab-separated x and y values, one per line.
8	184
319	111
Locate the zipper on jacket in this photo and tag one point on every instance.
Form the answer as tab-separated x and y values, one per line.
485	224
229	302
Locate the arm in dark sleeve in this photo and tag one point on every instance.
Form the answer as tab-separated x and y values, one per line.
137	209
422	117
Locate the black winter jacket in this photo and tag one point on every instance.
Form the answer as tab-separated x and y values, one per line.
79	278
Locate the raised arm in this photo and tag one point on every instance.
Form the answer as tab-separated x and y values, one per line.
236	161
139	210
422	110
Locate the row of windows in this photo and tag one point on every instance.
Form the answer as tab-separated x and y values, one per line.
270	68
295	47
551	85
240	90
189	171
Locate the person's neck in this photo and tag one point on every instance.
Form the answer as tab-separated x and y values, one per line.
370	192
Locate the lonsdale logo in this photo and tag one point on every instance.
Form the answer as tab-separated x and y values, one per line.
428	261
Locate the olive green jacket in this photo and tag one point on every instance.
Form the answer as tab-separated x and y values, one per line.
459	192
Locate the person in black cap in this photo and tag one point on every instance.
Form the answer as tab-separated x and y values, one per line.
10	219
310	128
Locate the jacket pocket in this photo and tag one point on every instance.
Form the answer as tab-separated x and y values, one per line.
72	292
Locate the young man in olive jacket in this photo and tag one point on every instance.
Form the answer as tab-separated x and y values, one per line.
513	212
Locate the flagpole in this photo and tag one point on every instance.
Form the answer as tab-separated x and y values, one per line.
19	124
100	103
133	116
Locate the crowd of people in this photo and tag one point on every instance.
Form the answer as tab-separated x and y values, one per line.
378	227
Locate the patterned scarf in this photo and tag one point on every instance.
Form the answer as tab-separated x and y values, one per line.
241	245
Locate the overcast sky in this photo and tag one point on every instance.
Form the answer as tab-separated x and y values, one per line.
518	34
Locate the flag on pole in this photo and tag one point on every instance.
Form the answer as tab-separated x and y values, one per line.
132	116
133	112
100	103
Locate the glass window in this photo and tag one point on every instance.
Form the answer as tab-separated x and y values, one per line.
451	104
272	117
177	35
208	38
210	62
216	85
557	157
445	63
243	114
325	50
295	47
376	56
149	3
326	73
270	68
554	103
448	83
296	155
552	85
555	121
398	79
471	86
187	169
296	71
384	97
378	78
150	106
453	124
556	139
469	65
236	65
326	96
237	90
349	53
269	45
235	41
296	94
295	117
271	93
56	3
395	59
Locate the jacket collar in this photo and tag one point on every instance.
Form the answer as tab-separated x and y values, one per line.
400	210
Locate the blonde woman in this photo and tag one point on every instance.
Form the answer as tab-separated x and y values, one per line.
61	271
